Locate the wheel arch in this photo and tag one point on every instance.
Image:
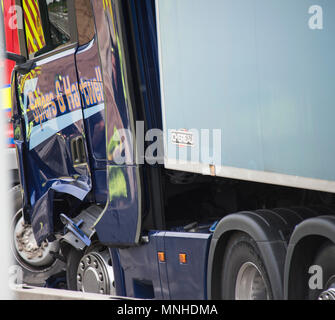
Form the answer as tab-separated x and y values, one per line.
304	244
268	229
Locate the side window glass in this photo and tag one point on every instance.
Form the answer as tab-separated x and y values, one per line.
58	22
85	21
46	25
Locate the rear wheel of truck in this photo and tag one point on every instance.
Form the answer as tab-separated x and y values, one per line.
244	276
90	271
325	260
37	264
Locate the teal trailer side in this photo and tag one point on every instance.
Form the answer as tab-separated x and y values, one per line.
262	72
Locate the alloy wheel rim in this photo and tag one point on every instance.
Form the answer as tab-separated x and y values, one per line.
250	284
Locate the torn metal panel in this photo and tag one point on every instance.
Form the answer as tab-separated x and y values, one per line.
43	212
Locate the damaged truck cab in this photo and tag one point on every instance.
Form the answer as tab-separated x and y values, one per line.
245	216
75	197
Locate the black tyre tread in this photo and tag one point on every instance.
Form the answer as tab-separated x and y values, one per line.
240	243
72	262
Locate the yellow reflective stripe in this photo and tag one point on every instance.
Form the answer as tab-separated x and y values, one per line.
33	27
39	30
32	8
31	39
5	98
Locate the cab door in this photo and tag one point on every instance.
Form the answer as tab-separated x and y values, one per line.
121	222
53	147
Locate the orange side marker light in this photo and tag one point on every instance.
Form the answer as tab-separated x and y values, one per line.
161	256
183	258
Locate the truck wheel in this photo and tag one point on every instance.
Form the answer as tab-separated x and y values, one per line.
90	271
37	263
325	258
73	258
244	276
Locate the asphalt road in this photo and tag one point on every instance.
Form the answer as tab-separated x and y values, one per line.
32	293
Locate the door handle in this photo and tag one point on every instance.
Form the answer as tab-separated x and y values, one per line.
78	150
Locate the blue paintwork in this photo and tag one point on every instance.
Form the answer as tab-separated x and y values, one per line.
144	23
121	221
170	280
141	264
99	184
48	165
187	281
118	224
118	273
87	59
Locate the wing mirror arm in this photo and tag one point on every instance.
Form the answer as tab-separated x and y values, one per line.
22	66
15	57
25	68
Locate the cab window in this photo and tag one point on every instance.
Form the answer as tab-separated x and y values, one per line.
47	25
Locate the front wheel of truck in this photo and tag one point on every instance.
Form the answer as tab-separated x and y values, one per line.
37	263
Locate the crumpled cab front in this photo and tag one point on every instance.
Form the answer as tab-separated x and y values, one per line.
53	142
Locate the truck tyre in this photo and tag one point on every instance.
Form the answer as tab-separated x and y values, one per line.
37	267
325	259
72	262
90	271
244	276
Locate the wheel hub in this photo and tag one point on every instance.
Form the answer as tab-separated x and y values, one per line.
328	294
95	274
27	248
250	284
